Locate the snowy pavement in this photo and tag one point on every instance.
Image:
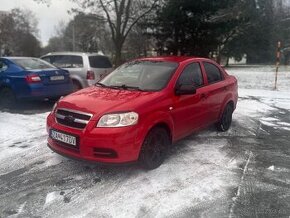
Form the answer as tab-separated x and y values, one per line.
241	173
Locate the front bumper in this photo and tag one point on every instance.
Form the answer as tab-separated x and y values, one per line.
106	145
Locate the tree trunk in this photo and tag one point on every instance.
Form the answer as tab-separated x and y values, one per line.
118	54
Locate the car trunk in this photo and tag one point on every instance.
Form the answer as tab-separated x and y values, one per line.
51	76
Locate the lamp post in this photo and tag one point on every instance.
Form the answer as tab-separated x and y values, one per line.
278	57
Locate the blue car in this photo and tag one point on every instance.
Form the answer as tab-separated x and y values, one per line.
31	79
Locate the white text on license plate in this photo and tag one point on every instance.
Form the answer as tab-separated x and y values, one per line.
54	78
68	139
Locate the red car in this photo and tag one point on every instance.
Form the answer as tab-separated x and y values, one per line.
140	109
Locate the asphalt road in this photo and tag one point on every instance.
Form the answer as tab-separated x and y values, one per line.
258	187
264	190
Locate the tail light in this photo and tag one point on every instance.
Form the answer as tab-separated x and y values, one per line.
33	78
90	75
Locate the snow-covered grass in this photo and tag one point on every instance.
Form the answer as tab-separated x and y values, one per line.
261	77
201	171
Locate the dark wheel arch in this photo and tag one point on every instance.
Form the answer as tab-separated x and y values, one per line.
77	85
7	97
166	127
155	147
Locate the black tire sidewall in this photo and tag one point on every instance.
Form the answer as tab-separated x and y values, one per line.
220	124
144	158
10	100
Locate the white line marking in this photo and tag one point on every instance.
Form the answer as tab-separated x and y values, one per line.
240	185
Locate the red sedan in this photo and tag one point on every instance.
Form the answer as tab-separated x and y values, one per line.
140	109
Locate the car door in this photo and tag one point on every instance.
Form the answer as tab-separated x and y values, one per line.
189	110
216	90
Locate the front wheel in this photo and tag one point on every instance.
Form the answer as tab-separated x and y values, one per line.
7	98
226	119
154	148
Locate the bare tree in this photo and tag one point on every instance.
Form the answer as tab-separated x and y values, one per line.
122	16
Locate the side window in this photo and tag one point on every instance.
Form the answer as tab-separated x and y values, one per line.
99	62
67	61
3	66
213	73
191	75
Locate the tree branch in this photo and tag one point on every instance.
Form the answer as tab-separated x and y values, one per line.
141	16
111	24
127	15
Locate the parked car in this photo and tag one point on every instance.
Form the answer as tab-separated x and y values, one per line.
85	68
141	108
31	78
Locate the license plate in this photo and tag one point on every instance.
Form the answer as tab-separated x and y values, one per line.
55	78
68	139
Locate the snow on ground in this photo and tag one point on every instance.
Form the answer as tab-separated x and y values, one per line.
257	83
261	77
185	180
201	172
22	141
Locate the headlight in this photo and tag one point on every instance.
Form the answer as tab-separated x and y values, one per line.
54	107
118	120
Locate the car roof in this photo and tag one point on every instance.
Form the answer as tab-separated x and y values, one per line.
73	53
177	59
13	58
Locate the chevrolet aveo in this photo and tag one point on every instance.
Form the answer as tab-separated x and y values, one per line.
140	109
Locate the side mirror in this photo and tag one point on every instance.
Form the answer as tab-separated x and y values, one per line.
185	90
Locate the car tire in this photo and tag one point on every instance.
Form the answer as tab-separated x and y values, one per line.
7	98
154	148
76	85
226	119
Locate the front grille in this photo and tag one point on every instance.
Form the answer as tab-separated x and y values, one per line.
74	119
75	114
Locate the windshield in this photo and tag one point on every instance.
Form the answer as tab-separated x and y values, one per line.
32	63
142	75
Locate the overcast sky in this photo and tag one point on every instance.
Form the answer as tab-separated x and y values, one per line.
48	16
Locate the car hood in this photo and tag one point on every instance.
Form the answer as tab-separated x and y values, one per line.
99	101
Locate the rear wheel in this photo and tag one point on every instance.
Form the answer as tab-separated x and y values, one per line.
154	148
226	119
7	98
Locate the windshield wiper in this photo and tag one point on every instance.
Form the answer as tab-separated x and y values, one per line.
101	84
126	87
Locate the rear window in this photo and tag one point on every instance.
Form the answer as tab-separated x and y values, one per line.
212	72
32	63
99	62
67	61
